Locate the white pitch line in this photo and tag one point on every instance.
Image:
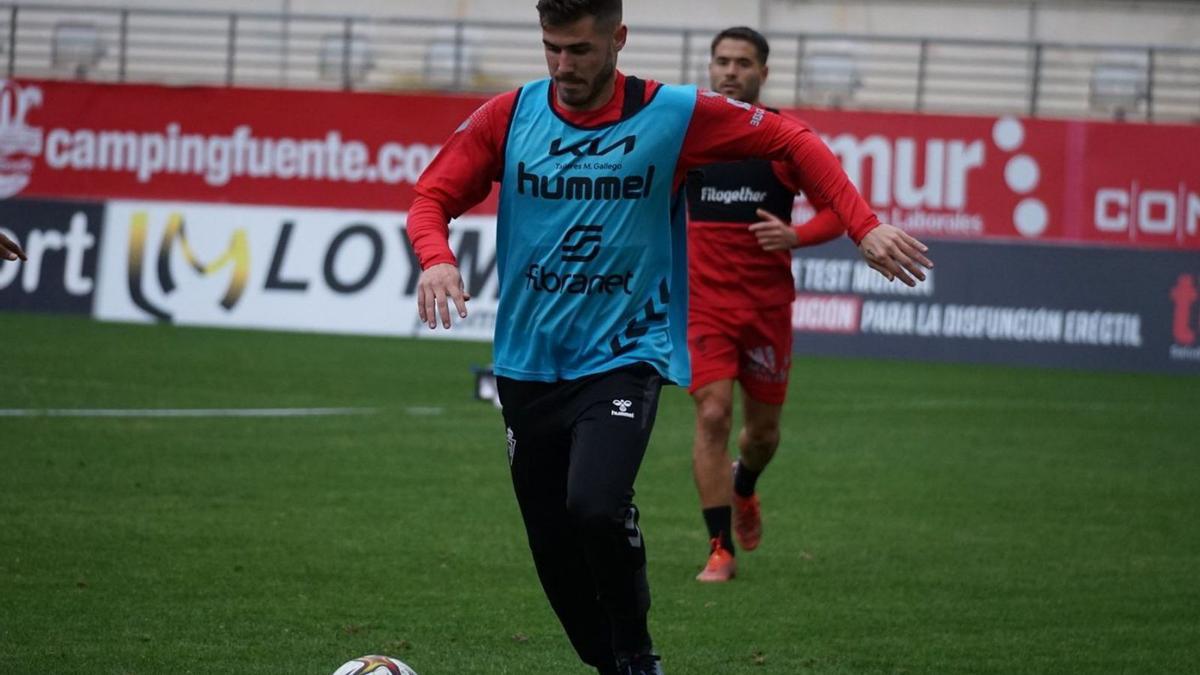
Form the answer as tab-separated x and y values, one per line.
184	412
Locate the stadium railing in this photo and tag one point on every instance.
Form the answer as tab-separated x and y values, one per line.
936	74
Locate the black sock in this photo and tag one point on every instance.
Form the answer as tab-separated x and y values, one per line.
719	520
745	480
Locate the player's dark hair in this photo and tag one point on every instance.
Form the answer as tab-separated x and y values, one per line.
747	34
563	12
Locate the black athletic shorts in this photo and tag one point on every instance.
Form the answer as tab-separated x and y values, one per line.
593	431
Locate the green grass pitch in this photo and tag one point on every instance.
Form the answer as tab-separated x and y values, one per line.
918	519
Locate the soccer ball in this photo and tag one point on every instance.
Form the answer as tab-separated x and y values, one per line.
374	665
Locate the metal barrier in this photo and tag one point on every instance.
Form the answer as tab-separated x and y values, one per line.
1155	83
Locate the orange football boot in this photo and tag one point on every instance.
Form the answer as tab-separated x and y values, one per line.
721	566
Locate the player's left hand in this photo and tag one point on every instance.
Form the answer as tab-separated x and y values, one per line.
773	234
895	254
9	249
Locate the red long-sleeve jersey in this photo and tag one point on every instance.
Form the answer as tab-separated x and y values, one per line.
720	130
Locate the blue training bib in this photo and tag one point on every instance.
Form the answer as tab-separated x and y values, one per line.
591	242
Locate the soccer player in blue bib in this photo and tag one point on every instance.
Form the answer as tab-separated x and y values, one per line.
592	315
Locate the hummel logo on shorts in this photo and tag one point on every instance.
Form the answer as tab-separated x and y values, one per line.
621	408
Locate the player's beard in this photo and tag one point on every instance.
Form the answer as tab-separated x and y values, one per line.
746	91
584	98
750	91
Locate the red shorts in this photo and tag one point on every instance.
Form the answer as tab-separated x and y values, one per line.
753	346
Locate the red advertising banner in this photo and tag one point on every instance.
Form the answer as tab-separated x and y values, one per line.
1023	179
938	176
246	146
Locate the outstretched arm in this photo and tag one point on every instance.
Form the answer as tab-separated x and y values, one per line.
724	130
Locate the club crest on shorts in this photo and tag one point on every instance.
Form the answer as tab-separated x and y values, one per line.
621	408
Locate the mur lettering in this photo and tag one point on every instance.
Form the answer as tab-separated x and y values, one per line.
894	169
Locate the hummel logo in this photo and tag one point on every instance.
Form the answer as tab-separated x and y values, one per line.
622	408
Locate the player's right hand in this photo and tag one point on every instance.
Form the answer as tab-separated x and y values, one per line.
437	285
895	254
9	249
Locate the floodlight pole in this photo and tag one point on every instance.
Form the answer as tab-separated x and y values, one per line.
1035	79
923	59
460	40
1150	84
12	40
800	43
347	34
685	63
122	45
284	43
231	49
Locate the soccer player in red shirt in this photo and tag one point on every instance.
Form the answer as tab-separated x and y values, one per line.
740	310
591	164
